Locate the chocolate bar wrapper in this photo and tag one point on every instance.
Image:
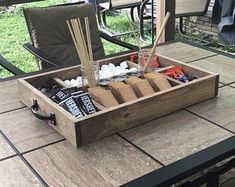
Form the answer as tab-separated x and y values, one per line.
86	103
59	96
72	106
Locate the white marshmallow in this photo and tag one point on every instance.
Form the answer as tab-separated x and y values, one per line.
105	67
107	75
79	79
124	65
118	68
111	66
101	74
133	70
67	82
79	84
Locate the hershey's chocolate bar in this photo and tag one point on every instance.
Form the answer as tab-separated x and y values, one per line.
86	103
73	107
59	96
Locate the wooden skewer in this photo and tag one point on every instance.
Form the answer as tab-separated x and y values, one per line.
86	59
157	40
76	41
88	34
82	37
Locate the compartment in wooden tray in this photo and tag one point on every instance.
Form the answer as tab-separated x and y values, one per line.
126	110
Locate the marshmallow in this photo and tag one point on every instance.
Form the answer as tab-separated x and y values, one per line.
79	79
67	82
133	70
111	66
105	67
124	65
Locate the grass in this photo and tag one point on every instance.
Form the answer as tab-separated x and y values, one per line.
13	34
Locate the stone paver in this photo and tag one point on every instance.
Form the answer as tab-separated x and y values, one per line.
109	162
176	136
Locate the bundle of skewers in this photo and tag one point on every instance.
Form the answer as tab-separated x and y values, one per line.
116	92
83	49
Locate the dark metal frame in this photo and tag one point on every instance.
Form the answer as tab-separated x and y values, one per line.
8	66
101	11
180	16
184	168
3	62
45	58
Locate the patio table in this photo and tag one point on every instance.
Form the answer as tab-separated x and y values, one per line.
33	154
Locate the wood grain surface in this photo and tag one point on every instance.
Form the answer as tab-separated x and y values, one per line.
183	52
5	149
8	96
13	172
175	136
222	65
220	110
25	131
110	162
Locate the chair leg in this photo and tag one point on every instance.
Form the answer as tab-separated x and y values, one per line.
98	9
132	14
138	11
141	17
181	30
103	16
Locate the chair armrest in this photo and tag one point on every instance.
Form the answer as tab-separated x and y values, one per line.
116	41
39	54
4	63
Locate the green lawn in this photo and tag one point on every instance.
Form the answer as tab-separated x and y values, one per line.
13	33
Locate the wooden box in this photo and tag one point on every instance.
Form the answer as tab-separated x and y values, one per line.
108	121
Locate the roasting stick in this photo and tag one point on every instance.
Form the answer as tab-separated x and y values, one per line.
86	59
87	63
88	38
82	37
157	40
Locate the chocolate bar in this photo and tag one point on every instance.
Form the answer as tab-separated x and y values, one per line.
59	96
70	104
86	103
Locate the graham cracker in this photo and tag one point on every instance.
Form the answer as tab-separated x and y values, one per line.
132	80
125	94
114	85
94	91
142	88
162	83
150	77
106	99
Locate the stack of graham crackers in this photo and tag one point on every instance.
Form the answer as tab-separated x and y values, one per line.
140	86
134	88
123	92
103	96
158	81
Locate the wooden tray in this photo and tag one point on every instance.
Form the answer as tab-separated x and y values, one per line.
113	120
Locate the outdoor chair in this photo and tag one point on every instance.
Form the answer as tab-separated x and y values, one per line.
112	5
52	43
183	8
